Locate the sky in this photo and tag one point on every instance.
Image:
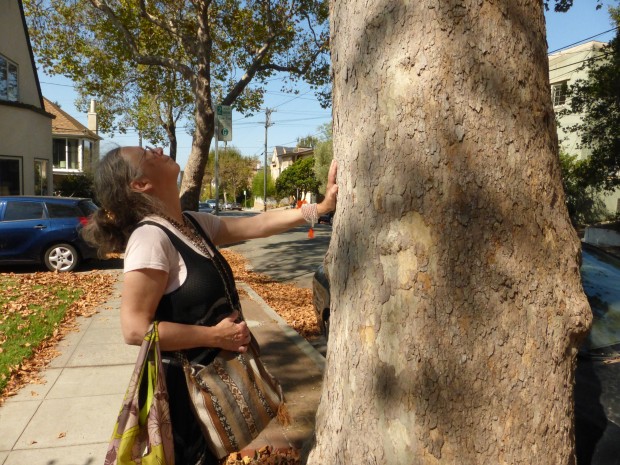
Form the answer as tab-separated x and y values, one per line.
300	115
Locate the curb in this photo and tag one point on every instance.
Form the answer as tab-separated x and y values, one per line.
299	341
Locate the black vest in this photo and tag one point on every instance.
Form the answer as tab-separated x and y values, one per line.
201	299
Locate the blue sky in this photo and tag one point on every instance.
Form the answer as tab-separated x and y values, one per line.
300	115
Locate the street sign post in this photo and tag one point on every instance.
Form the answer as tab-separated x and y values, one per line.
224	122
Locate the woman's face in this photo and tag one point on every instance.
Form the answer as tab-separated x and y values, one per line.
152	165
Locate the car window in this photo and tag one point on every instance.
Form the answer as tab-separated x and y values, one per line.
57	210
88	207
600	274
23	211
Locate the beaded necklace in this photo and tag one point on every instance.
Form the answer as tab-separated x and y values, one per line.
189	231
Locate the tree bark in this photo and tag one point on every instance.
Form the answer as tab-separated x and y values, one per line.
457	306
197	162
171	132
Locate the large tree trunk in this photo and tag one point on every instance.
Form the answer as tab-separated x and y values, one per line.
195	167
456	299
203	114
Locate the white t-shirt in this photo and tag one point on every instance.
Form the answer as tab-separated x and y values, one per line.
150	247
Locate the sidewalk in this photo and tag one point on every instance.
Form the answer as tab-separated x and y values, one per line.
69	419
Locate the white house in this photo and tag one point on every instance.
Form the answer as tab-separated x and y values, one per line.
566	67
25	126
75	146
283	157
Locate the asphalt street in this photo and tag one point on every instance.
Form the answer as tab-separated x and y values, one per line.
288	257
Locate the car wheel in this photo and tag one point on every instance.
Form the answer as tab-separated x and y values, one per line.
61	257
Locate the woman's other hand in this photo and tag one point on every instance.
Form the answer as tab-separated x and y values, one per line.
233	335
331	191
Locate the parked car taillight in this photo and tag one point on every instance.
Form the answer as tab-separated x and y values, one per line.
83	220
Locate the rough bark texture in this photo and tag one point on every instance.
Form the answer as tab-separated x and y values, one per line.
456	298
195	167
203	115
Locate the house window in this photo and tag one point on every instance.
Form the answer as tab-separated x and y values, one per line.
40	177
87	154
8	80
10	176
66	154
558	93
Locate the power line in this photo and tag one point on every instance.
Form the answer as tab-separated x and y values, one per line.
55	84
583	40
596	58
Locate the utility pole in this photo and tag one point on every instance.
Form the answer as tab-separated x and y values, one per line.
268	123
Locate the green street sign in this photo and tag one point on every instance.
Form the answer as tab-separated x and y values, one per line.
224	122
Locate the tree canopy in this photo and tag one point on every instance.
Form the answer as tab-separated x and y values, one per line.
583	201
216	47
298	179
235	173
565	5
597	100
323	155
258	184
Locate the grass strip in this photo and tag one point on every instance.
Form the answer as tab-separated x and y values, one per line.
24	325
36	311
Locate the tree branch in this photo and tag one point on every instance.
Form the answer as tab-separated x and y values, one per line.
250	73
292	69
186	71
181	40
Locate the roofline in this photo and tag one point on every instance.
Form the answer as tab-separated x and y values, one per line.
27	106
34	65
79	126
579	48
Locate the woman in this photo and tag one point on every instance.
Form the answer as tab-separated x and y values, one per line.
171	272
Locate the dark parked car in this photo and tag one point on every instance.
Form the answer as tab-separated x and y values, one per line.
205	207
44	230
320	299
597	379
234	206
327	218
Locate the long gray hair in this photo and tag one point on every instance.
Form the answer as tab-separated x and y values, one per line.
121	207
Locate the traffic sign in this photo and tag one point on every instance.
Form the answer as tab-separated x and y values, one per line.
224	122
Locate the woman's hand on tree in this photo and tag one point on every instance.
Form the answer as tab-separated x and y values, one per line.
331	191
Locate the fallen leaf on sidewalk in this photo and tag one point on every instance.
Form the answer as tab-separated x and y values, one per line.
61	435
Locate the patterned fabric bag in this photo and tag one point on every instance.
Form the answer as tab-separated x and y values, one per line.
235	398
143	431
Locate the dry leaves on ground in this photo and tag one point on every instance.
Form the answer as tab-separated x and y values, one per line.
33	289
295	306
291	303
265	456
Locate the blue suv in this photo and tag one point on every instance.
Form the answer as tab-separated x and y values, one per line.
44	230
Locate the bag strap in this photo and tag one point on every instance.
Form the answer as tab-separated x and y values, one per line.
227	278
224	271
150	369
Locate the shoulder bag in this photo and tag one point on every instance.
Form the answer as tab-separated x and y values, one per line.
234	397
